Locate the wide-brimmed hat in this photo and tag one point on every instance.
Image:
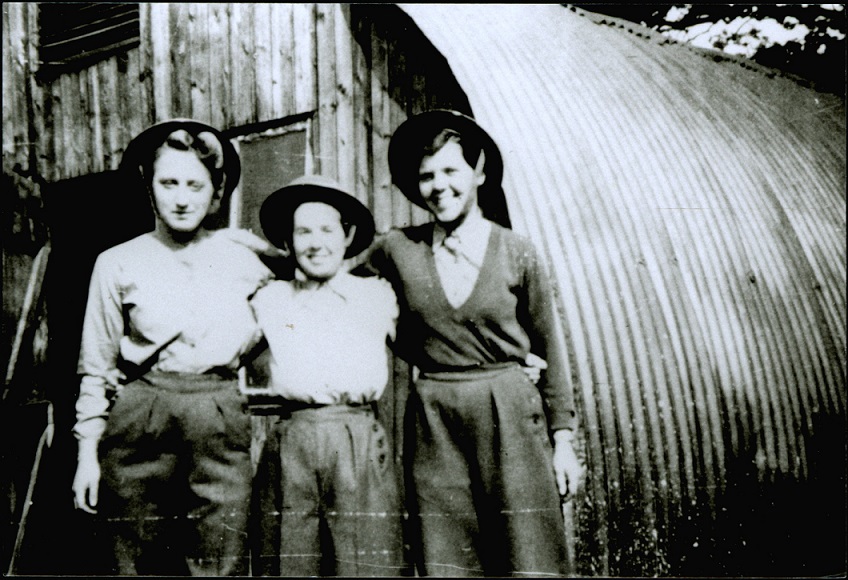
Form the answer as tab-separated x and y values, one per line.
142	146
418	131
277	211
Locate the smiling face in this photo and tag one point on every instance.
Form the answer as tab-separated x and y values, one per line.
448	184
183	194
319	241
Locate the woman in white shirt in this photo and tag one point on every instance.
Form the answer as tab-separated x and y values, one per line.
162	429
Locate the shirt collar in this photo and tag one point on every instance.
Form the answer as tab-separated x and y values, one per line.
474	227
338	284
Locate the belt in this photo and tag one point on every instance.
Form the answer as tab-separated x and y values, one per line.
482	371
184	382
262	404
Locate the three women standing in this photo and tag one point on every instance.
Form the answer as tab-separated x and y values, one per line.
490	452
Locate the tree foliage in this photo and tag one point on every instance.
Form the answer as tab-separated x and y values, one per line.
804	40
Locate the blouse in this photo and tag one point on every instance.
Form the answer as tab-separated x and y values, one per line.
155	307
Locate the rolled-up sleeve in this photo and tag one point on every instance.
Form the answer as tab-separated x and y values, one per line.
101	336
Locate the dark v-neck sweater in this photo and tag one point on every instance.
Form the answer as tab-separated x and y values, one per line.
509	313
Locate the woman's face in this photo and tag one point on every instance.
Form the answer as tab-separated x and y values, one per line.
319	240
183	194
448	184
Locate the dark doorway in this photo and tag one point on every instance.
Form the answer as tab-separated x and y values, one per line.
85	216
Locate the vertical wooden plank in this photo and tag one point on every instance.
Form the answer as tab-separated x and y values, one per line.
68	127
275	60
139	110
161	71
145	57
107	72
305	57
398	106
345	146
220	66
243	84
325	125
180	60
264	82
38	131
17	136
59	133
361	52
198	57
81	111
126	109
286	32
8	80
95	150
43	127
380	129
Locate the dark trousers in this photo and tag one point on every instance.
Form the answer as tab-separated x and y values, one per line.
326	496
176	476
486	502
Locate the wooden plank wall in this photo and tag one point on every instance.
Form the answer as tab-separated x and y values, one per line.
232	65
356	70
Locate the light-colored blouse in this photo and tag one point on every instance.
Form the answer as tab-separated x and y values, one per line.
155	307
328	341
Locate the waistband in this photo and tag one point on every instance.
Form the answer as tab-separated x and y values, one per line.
185	382
472	373
276	405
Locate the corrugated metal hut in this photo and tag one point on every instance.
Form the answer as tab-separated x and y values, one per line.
691	207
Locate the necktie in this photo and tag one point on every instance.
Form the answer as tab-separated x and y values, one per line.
451	244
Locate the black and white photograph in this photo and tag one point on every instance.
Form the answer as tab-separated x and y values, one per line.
398	290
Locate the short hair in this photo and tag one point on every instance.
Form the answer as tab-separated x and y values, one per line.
471	147
204	145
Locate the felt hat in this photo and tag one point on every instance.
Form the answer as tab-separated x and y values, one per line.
140	149
418	131
276	215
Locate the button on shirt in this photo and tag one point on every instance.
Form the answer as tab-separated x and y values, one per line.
459	256
153	307
328	340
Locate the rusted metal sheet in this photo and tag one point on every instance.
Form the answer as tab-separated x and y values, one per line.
692	210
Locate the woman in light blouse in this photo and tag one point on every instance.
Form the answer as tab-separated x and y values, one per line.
162	428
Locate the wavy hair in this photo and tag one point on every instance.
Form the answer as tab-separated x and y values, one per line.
204	145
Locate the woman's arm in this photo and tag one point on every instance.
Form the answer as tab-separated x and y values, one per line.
546	337
101	336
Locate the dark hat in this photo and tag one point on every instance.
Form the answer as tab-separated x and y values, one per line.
418	131
145	143
277	211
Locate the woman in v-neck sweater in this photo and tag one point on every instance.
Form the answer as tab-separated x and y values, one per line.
508	314
480	460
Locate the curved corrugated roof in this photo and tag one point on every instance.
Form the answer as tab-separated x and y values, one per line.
692	209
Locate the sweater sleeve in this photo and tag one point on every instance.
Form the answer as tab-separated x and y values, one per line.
543	327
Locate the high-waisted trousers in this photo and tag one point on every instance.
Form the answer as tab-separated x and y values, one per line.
327	496
176	476
481	475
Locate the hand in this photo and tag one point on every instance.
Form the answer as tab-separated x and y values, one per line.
86	483
567	467
115	379
534	366
252	242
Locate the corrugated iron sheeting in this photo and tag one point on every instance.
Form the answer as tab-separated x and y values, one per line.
692	209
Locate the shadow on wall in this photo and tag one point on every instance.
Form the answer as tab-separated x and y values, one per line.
763	523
